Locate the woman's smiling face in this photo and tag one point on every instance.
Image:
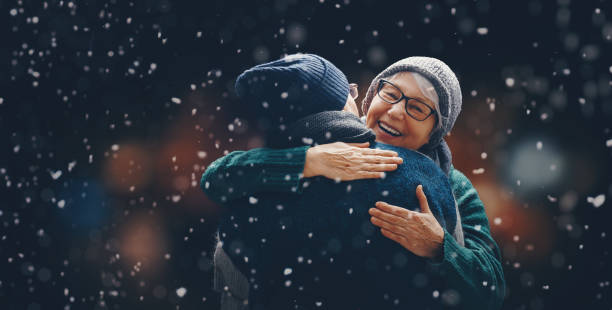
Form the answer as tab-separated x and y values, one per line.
391	123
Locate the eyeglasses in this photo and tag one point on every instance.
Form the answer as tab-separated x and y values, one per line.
415	108
353	90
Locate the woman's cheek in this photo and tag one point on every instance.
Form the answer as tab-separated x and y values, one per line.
370	119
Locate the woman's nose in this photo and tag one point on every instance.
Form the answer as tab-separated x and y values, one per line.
397	110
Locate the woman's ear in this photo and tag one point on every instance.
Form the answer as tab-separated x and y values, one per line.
431	132
433	129
351	106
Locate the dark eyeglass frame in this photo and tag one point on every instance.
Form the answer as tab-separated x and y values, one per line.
382	82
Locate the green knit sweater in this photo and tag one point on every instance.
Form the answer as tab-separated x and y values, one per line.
473	271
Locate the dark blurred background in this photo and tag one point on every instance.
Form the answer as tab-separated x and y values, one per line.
110	111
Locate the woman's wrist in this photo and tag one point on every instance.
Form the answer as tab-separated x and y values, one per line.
437	255
309	163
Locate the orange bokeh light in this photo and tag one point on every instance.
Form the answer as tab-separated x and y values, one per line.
142	242
127	168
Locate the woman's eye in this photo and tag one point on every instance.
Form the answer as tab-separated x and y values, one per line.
416	108
391	95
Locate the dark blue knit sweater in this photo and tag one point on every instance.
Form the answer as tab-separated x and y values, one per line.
318	246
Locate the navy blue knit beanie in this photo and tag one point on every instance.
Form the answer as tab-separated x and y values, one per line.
283	91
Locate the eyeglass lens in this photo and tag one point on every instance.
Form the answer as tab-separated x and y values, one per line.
414	107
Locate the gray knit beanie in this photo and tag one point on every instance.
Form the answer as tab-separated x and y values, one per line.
449	93
285	90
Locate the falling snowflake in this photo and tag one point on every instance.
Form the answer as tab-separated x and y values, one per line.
307	141
482	31
71	165
181	291
597	201
56	174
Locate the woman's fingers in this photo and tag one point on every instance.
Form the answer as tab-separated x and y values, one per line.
393	236
396	229
388	217
378	152
401	212
378	167
361	154
367	171
365	175
422	199
361	145
382	159
422	236
367	151
383	224
364	150
349	161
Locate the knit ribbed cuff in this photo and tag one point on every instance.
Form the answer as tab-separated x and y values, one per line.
284	169
452	251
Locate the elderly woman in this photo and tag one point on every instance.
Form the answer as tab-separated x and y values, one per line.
402	113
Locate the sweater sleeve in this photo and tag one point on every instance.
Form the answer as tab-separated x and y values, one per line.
242	173
474	270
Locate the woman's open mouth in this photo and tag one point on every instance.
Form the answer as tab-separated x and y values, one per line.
388	129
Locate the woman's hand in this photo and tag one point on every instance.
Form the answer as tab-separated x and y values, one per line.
420	233
345	162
